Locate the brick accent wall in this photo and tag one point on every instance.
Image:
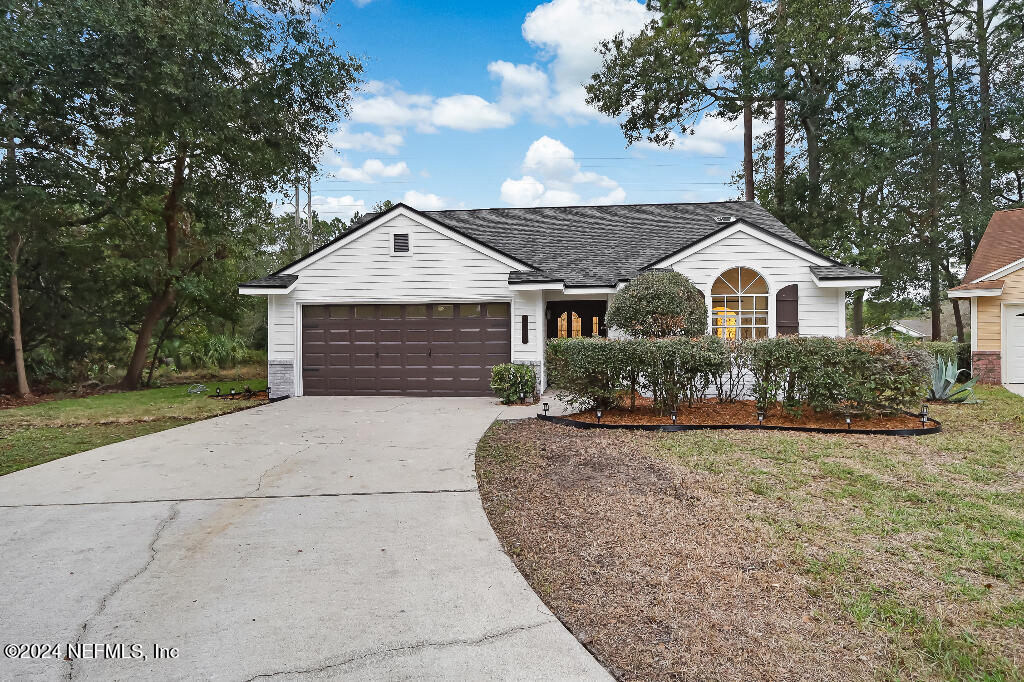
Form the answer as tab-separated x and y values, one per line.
985	364
281	379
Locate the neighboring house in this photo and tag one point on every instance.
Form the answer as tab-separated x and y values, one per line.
897	329
920	328
425	303
994	283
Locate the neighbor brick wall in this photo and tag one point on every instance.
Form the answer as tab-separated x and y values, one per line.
985	365
280	379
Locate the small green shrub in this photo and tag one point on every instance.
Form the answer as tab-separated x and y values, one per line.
659	304
511	381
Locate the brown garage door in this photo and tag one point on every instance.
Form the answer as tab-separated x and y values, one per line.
416	349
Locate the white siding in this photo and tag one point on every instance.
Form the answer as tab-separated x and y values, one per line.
438	269
818	306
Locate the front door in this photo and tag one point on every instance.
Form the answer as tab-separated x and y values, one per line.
570	319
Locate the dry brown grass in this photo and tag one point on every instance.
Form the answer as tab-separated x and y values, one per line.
740	555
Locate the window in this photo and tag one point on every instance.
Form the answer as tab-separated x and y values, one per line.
564	329
739	305
415	311
444	310
400	243
469	310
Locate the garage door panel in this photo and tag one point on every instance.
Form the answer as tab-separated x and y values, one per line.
416	349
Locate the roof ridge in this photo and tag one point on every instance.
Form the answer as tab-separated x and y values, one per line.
532	208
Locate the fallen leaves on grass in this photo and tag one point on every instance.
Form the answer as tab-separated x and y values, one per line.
753	555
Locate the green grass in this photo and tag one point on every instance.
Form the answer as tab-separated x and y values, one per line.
40	433
943	515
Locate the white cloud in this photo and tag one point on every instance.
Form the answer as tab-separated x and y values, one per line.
338	207
423	202
371	170
468	112
390	107
388	143
567	32
524	87
552	176
710	136
361	3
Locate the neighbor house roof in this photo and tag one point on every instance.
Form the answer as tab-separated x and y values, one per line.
983	284
603	245
1001	245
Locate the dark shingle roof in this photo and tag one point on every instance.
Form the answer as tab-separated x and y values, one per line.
599	245
271	282
841	272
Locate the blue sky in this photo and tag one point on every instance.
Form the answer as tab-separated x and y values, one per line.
478	104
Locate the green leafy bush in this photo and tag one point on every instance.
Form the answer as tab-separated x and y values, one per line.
593	372
511	381
660	304
826	374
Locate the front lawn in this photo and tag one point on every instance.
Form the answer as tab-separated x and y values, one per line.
752	555
46	431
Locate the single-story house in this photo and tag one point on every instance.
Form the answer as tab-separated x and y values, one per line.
897	329
426	302
994	283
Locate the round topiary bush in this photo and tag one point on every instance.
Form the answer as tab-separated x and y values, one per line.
658	304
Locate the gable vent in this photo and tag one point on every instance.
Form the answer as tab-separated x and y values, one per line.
724	219
401	242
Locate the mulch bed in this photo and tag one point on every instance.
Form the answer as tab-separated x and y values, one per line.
661	578
243	395
742	412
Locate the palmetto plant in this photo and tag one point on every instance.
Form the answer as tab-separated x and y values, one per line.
944	386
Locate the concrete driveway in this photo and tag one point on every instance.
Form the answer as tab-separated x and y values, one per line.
315	538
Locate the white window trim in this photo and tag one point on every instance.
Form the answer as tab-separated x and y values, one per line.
773	289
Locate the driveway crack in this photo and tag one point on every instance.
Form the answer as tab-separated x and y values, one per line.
259	484
389	651
171	515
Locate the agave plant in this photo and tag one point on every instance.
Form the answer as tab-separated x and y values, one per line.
944	386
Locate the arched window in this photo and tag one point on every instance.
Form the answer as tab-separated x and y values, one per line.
739	305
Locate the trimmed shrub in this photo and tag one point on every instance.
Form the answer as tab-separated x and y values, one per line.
659	304
590	372
510	381
857	375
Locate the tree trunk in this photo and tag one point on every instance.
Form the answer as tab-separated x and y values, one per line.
748	112
958	318
858	313
159	346
813	163
958	160
158	305
748	151
934	264
985	101
780	110
19	349
15	242
154	311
